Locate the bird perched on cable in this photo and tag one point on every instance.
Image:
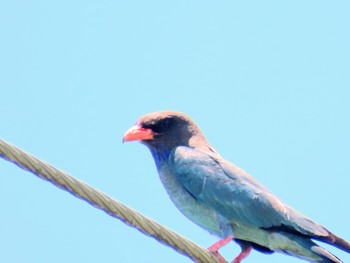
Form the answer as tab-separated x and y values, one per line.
223	199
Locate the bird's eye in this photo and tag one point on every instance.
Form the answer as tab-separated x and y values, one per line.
166	124
163	125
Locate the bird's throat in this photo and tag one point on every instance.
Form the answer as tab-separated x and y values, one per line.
160	156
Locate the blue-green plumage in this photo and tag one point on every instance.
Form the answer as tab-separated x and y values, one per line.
222	198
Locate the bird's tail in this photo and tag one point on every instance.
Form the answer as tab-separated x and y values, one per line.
333	240
326	257
337	242
306	249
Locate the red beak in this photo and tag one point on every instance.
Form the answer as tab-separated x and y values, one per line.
137	133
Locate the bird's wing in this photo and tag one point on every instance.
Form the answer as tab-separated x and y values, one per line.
236	195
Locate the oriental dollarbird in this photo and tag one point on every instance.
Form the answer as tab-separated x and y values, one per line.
223	199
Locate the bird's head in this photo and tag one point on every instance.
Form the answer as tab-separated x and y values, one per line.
162	131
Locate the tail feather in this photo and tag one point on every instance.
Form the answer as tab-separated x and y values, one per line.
305	248
334	240
339	243
326	256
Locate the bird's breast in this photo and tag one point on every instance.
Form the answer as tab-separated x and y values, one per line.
186	203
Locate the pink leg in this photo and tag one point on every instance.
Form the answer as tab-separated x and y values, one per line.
245	253
219	244
215	248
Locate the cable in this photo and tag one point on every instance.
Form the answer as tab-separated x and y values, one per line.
101	201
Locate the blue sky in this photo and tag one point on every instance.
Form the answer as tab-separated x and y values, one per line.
267	82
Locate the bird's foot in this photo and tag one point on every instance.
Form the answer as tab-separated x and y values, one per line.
214	249
245	253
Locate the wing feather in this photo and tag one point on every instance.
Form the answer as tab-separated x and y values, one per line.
236	195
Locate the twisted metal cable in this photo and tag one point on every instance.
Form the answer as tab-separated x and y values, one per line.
101	201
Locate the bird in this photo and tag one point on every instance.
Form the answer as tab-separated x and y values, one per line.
223	199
